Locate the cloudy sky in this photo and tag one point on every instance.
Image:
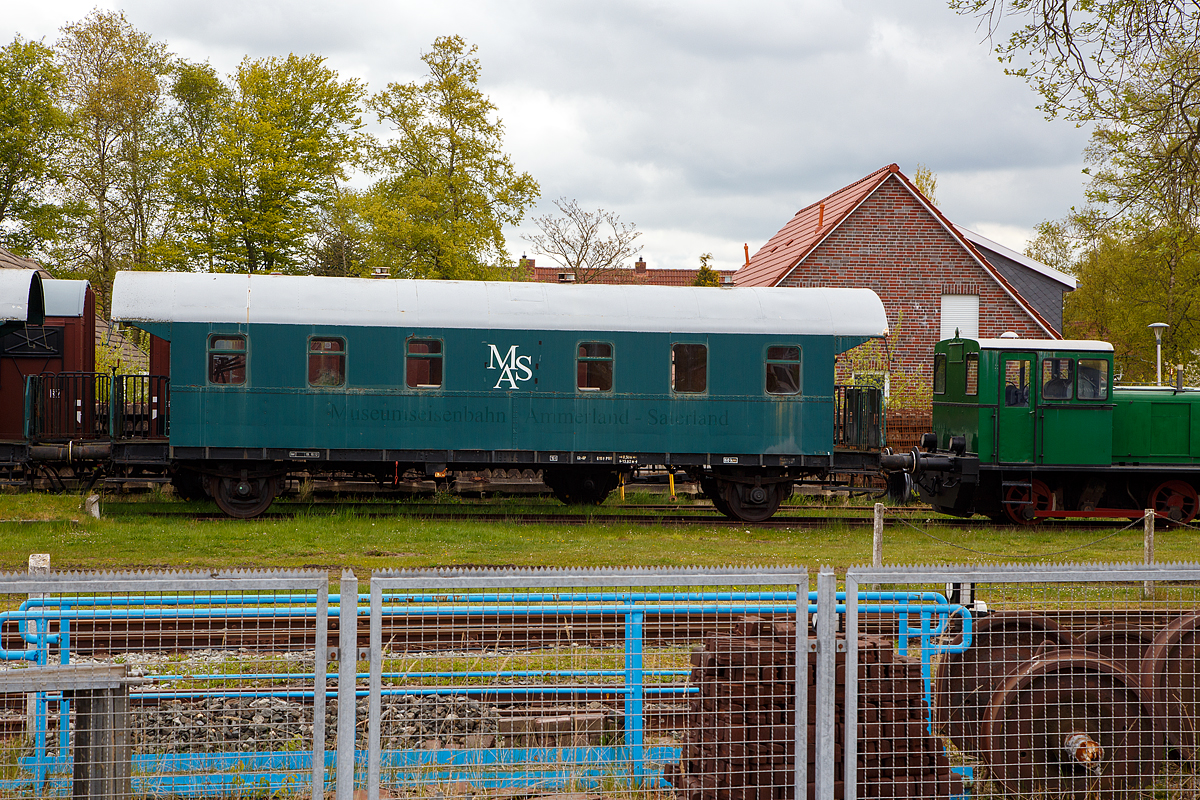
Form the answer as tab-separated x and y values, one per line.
708	124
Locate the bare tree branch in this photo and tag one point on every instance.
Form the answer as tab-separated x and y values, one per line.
587	243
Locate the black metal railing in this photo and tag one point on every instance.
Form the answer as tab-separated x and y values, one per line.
858	417
71	406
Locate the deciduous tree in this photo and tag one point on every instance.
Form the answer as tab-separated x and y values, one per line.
706	276
446	188
589	244
33	129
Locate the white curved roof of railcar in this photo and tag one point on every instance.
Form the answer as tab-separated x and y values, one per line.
17	288
65	298
311	300
1084	345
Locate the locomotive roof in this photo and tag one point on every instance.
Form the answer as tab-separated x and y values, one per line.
1084	345
312	300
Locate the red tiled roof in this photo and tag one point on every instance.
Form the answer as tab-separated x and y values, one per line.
647	277
788	248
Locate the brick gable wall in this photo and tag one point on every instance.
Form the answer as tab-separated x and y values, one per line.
893	245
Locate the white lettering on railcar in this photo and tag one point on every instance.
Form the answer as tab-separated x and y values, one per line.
513	367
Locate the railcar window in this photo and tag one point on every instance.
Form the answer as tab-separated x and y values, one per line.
1056	378
939	373
1016	384
972	388
594	367
1093	379
227	359
326	362
689	367
783	370
423	367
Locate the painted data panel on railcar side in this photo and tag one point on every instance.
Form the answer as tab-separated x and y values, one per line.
501	390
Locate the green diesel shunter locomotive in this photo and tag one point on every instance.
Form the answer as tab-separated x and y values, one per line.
273	376
1025	429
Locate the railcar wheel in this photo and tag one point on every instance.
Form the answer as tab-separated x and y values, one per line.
712	490
751	502
1170	674
1000	644
1070	725
1124	644
1175	500
243	498
1019	506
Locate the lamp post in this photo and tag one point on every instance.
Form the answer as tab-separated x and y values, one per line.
1158	328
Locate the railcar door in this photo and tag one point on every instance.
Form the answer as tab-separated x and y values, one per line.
1015	418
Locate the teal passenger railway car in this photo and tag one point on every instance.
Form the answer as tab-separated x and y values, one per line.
275	375
1029	429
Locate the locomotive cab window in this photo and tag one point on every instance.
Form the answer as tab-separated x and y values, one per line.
1092	383
423	365
689	368
326	362
783	370
227	359
972	380
939	373
1056	378
1016	384
594	367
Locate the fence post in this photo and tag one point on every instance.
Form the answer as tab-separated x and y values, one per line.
877	542
1148	546
826	722
347	673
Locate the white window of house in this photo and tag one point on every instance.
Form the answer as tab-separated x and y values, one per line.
961	312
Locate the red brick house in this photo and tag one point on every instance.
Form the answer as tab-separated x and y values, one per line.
638	274
934	277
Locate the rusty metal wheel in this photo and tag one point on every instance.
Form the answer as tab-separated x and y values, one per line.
243	497
1070	725
1000	644
1019	505
1176	501
1122	643
1169	673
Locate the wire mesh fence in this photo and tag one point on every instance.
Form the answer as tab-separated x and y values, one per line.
175	684
1056	682
608	683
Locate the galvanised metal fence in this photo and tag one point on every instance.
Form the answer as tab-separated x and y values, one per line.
178	684
1063	681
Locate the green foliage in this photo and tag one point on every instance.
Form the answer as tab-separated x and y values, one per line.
32	130
260	158
446	188
707	276
877	362
926	181
112	166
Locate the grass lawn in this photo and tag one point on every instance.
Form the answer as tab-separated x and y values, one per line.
331	540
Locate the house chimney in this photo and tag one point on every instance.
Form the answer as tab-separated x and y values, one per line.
821	216
639	265
747	248
381	272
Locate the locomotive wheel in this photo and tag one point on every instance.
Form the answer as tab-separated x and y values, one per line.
1169	673
243	498
1018	502
1000	644
1175	500
753	503
1070	725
